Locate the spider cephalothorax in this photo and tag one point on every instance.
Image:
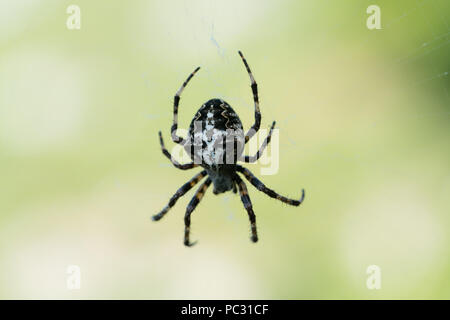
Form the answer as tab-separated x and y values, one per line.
215	142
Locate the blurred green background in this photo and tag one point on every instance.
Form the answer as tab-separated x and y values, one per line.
364	128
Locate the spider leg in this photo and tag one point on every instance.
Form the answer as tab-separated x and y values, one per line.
176	101
191	207
234	187
261	187
180	192
254	86
248	206
250	159
174	162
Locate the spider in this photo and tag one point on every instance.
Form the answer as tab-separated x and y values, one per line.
214	122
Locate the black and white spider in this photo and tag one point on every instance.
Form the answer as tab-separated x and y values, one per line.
214	124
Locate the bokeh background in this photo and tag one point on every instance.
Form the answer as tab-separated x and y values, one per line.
364	128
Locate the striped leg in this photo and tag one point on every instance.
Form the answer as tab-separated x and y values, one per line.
248	206
191	207
176	101
180	192
174	162
261	187
254	86
250	159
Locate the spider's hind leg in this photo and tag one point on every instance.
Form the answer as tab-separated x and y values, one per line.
261	187
190	208
180	192
248	206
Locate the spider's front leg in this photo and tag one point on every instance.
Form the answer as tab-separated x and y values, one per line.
251	132
261	187
174	162
176	101
191	207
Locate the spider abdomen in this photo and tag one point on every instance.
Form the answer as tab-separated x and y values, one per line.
215	137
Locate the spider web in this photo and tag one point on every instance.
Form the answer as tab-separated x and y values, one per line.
420	52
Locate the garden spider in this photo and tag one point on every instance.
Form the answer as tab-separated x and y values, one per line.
214	123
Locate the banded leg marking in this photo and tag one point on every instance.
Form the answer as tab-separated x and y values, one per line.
190	208
180	192
174	162
250	159
248	206
261	187
250	133
176	102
